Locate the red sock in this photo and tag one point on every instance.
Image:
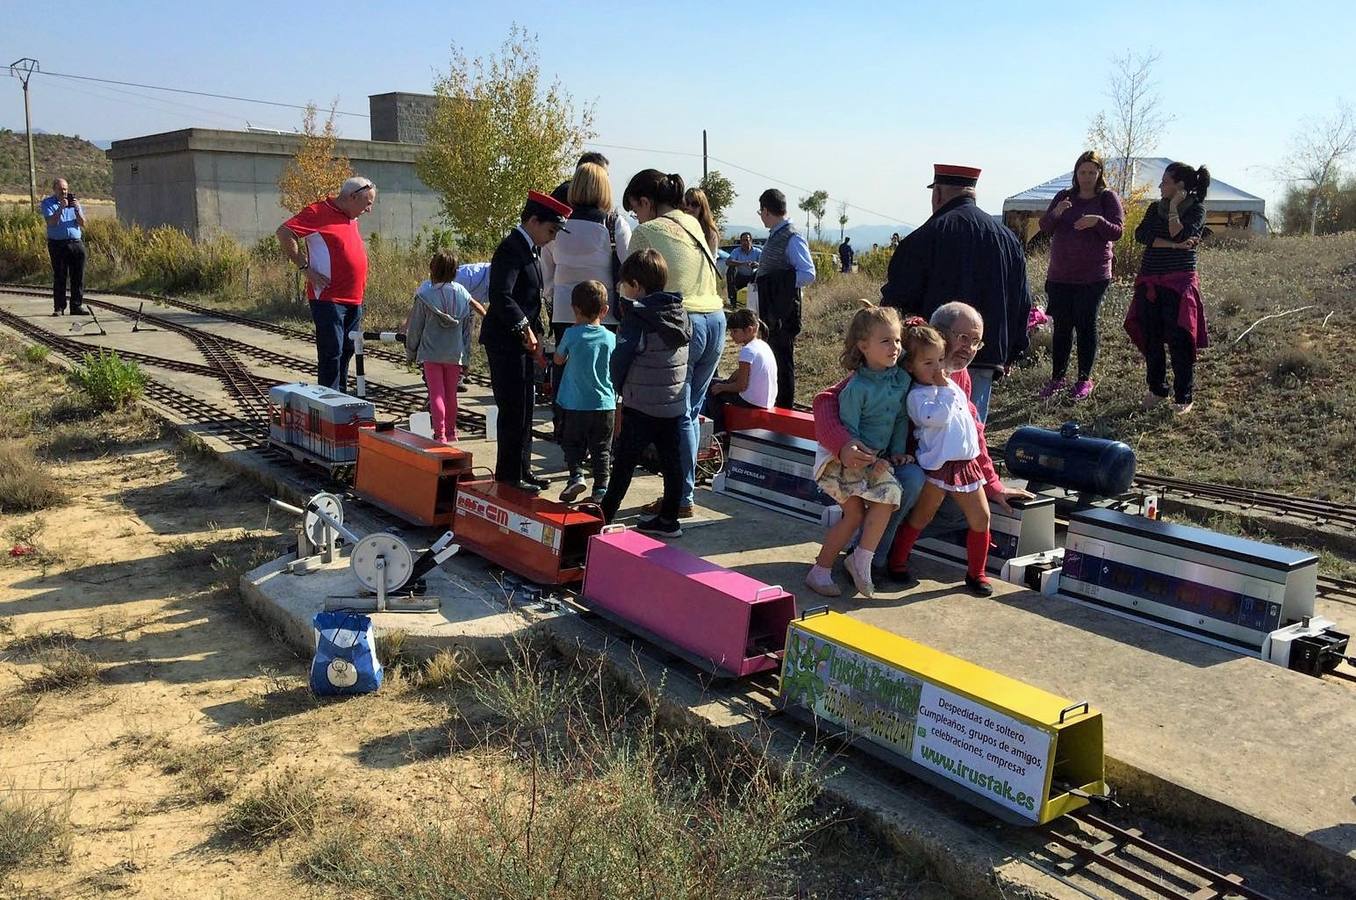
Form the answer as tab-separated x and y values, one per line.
903	547
977	553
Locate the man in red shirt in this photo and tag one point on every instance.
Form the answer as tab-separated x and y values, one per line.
335	266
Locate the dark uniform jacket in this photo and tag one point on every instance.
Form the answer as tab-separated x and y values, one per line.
962	253
515	294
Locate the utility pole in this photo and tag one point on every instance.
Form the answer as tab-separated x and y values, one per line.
703	153
23	69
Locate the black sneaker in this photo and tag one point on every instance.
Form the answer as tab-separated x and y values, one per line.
898	578
980	586
658	527
527	486
541	483
80	312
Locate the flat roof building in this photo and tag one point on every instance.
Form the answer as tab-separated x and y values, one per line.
207	181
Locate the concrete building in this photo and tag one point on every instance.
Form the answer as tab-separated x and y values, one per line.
207	182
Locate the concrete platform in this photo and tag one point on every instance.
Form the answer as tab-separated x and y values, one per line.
476	614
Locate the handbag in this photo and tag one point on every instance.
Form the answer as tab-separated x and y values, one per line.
345	660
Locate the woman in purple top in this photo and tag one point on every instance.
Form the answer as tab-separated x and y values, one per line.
1084	221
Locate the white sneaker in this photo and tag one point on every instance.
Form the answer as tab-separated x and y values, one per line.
861	576
825	585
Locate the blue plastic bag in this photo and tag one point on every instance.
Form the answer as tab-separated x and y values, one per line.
345	655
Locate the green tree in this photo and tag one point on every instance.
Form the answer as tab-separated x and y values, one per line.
496	133
842	220
720	193
814	205
315	172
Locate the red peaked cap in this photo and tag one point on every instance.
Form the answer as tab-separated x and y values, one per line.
547	208
961	176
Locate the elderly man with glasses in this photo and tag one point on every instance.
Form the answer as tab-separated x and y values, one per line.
962	253
963	329
335	268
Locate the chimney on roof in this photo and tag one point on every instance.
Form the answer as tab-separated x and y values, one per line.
400	117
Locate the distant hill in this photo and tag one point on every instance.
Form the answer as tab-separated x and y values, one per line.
77	160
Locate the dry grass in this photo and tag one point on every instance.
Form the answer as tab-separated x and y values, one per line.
25	484
207	772
16	710
1276	410
62	668
586	790
32	829
283	804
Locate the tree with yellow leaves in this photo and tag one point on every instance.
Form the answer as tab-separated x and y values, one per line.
315	172
496	134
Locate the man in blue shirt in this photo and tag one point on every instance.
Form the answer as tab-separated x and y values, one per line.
741	266
845	254
64	218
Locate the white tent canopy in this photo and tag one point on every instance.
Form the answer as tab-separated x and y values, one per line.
1148	173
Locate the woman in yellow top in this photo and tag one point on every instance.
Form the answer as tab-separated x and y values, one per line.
656	200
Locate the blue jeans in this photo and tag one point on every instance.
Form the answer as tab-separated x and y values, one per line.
333	347
703	353
981	386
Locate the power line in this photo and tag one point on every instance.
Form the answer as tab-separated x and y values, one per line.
156	87
726	162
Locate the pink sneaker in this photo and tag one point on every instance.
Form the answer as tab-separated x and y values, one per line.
1052	387
1082	390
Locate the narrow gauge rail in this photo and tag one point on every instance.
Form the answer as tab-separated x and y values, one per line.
1321	512
289	331
218	349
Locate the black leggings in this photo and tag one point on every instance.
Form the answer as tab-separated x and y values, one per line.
1074	309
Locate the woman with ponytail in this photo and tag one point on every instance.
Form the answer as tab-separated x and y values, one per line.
656	200
1167	307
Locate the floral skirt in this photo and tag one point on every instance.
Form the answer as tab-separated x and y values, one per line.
961	476
873	483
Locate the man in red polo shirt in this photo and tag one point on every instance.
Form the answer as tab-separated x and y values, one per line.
335	266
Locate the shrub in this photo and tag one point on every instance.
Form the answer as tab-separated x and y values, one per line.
284	804
110	381
1296	366
23	243
36	353
172	262
24	484
1127	251
31	828
63	669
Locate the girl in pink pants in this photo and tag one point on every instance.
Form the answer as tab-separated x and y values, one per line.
435	338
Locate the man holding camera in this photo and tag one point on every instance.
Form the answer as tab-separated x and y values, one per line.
64	218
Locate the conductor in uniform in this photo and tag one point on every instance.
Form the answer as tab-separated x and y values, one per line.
512	332
963	253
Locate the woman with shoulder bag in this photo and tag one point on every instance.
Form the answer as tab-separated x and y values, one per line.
656	199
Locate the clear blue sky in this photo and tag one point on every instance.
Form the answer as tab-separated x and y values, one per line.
858	100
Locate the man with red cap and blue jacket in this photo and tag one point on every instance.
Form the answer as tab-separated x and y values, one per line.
512	333
963	253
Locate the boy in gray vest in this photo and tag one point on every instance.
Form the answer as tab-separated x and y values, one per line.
649	372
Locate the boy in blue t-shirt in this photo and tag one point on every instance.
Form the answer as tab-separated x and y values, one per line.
585	396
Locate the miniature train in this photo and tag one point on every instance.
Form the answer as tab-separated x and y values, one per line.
1235	593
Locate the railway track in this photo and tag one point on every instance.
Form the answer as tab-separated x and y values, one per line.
375	350
1322	513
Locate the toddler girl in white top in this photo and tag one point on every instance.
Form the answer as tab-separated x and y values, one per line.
948	452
